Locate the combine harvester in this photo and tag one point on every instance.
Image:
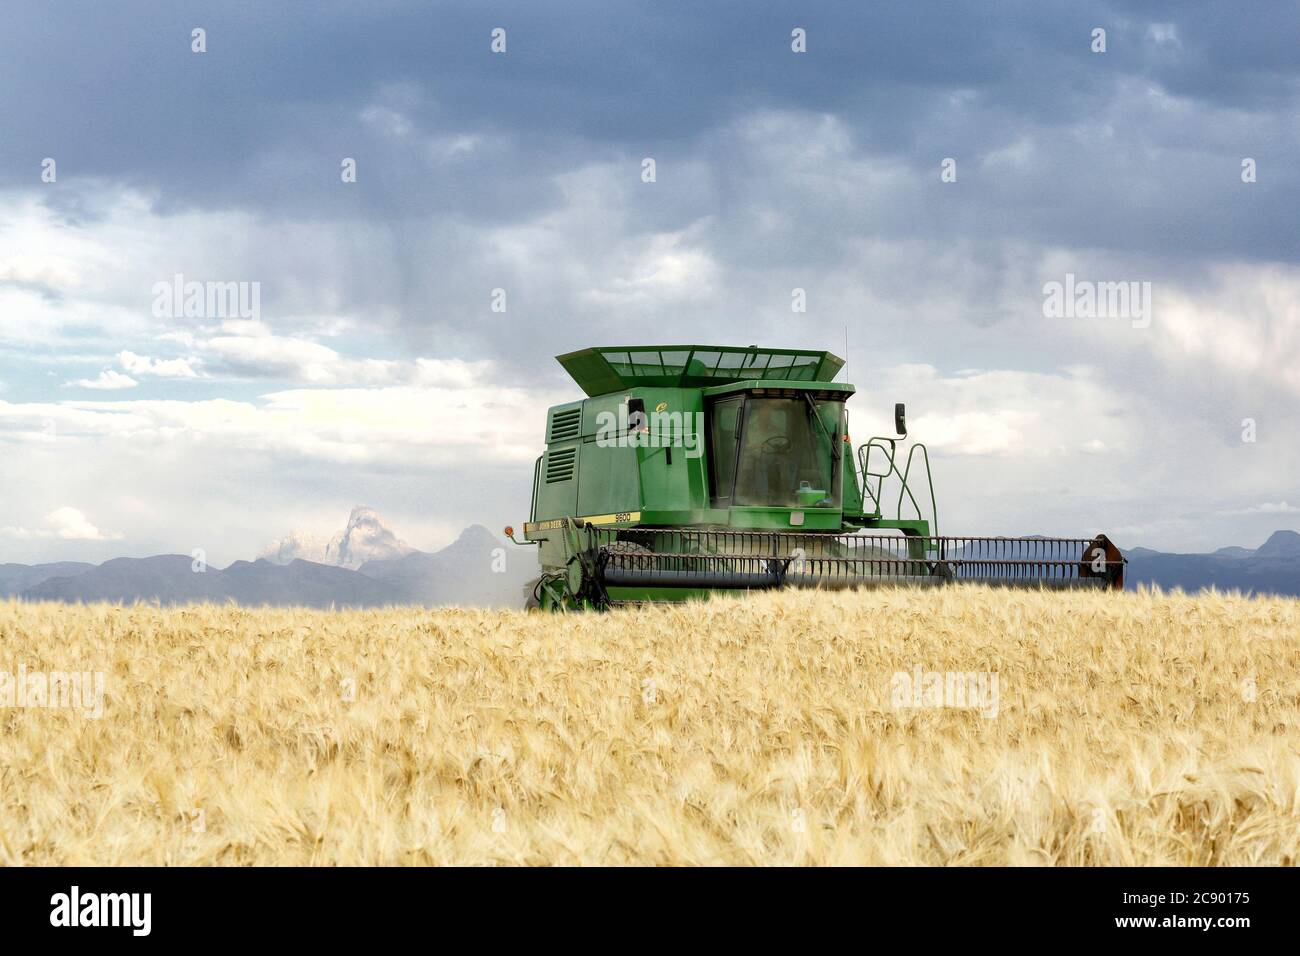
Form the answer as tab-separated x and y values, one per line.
694	469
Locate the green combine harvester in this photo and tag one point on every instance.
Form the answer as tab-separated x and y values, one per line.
692	469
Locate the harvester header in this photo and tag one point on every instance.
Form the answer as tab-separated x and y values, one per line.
691	469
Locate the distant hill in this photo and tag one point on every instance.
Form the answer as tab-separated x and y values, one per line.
478	569
171	579
1232	552
16	578
1272	568
1281	544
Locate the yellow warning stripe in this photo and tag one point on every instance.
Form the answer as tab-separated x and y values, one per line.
531	527
619	517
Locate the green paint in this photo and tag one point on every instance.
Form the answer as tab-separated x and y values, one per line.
706	437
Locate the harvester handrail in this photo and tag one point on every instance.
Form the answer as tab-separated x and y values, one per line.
929	480
864	465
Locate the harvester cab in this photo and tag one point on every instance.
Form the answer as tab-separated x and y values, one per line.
693	469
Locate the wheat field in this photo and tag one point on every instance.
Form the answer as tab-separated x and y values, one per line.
1124	729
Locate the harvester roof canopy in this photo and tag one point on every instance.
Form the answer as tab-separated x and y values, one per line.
600	371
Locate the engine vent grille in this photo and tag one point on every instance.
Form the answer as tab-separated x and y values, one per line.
560	464
565	424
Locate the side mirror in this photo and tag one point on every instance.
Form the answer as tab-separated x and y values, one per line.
900	419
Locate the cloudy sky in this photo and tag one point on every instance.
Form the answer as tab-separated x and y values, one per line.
371	367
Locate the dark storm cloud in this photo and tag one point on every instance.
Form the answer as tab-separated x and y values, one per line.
775	171
262	118
784	169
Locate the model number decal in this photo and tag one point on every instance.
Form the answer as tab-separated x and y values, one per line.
622	516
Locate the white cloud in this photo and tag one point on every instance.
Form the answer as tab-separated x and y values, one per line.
1164	34
108	380
994	413
665	268
65	523
1236	325
163	368
250	348
263	354
454	147
1267	508
452	412
1247	323
389	121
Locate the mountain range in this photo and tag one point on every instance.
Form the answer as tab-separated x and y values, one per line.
367	565
1272	568
366	538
